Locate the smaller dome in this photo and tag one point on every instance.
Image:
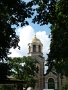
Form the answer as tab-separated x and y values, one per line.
35	40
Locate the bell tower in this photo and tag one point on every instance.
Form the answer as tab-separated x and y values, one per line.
35	47
35	50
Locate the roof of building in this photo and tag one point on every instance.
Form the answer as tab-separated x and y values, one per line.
35	40
49	72
40	56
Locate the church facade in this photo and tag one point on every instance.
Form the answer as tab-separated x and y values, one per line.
45	81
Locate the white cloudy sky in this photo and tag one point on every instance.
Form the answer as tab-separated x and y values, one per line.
26	34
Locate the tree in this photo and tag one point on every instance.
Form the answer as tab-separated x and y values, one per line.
25	72
12	12
58	56
55	12
64	87
4	71
7	87
45	11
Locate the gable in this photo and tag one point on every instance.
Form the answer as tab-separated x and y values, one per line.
50	75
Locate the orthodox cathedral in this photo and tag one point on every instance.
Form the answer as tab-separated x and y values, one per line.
46	81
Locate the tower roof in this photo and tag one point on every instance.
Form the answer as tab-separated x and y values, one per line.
35	40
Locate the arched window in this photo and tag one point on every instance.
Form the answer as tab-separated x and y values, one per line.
29	49
39	48
38	68
34	48
51	83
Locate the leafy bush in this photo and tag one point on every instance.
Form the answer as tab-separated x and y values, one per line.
64	87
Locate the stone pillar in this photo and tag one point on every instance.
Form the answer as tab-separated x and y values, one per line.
56	85
36	48
46	85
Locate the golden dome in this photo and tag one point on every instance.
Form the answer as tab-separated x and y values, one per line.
35	40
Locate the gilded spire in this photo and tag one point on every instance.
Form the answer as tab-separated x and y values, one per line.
35	40
35	35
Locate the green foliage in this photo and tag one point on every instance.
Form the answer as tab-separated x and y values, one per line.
55	12
24	72
7	87
58	56
16	67
64	87
45	11
12	12
29	71
4	71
